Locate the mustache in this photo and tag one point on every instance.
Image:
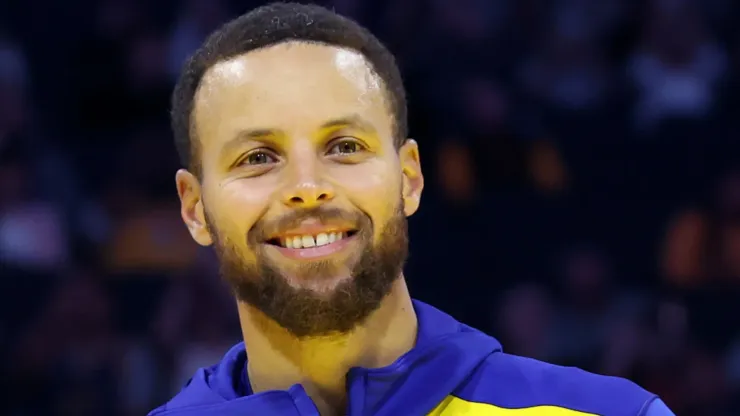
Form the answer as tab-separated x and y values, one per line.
264	229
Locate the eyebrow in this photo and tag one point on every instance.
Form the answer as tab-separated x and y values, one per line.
243	136
353	120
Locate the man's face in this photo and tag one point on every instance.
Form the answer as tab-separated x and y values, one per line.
303	193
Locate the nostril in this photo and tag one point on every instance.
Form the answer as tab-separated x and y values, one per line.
312	198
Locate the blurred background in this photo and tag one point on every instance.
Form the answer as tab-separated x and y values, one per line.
582	200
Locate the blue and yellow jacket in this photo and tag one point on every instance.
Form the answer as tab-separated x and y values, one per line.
453	370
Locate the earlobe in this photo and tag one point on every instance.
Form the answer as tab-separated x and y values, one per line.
199	229
191	207
413	179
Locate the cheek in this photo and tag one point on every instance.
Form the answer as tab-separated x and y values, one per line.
374	186
237	207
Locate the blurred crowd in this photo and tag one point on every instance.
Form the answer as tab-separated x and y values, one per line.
582	201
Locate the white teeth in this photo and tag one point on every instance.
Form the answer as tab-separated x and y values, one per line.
297	242
308	241
322	239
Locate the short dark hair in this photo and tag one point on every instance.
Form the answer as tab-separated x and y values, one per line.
270	25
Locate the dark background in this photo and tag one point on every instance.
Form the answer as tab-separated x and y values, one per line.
582	201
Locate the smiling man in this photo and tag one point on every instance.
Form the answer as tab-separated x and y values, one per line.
292	123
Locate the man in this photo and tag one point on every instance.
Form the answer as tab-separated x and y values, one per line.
292	122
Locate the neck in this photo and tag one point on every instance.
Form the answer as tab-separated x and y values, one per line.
278	360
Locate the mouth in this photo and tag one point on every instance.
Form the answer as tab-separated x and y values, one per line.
314	245
308	241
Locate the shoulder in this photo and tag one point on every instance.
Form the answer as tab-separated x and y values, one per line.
209	386
194	393
514	382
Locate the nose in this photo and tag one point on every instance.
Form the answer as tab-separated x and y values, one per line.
307	193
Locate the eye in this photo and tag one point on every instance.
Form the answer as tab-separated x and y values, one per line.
345	147
259	157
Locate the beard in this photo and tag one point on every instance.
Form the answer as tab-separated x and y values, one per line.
306	312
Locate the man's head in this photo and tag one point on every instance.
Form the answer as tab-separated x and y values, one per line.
292	122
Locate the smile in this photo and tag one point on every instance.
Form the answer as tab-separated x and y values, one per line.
313	245
308	241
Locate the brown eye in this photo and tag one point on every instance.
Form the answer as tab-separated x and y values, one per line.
345	147
259	158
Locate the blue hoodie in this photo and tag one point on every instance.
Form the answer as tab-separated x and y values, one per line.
452	370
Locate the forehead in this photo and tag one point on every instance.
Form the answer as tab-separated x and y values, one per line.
292	86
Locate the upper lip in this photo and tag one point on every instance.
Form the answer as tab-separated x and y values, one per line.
313	228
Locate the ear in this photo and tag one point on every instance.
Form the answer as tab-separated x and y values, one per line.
191	206
413	180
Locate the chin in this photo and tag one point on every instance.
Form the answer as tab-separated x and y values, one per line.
320	283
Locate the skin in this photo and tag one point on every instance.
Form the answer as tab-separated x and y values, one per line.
280	99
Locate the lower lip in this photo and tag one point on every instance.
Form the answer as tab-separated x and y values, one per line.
313	253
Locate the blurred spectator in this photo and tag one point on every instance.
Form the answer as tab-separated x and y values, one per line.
705	385
703	245
684	254
191	325
461	36
68	355
146	229
677	67
523	321
194	325
728	223
490	150
571	71
669	345
592	307
13	90
732	365
33	236
143	377
32	230
624	349
152	238
597	20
